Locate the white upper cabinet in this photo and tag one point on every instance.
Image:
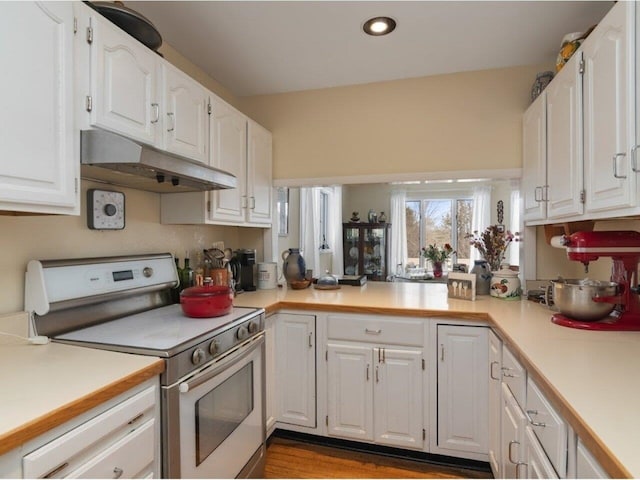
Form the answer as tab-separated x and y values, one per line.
534	159
609	111
228	153
259	174
185	113
564	142
40	167
123	82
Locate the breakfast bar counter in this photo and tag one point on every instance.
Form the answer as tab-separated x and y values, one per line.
591	377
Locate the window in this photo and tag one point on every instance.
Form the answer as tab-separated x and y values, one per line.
438	221
324	220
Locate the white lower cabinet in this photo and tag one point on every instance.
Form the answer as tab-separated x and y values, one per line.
586	465
536	460
270	373
120	438
495	404
513	422
295	369
375	390
463	382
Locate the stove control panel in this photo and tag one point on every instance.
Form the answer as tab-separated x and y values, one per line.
213	346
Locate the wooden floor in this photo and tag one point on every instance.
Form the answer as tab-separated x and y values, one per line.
294	459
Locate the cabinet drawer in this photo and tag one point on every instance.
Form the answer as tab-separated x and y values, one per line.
548	426
396	331
127	458
69	451
515	376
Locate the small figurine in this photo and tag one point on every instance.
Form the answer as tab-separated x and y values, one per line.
373	217
354	217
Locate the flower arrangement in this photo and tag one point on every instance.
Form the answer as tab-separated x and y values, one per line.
492	244
437	255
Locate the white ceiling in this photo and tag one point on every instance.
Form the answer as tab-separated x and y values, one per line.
263	47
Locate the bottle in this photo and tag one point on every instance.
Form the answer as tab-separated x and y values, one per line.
186	279
175	293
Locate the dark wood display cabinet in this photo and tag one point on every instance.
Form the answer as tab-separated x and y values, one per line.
366	249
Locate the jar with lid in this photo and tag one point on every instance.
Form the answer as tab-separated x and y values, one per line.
505	284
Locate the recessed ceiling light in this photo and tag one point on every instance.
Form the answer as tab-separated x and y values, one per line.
379	26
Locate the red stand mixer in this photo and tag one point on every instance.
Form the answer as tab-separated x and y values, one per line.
624	248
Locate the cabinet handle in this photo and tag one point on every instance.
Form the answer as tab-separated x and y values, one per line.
384	356
310	342
545	193
491	371
518	469
377	375
173	122
56	470
615	165
442	352
511	444
253	203
135	419
373	332
634	158
528	414
536	197
367	372
117	472
379	355
156	109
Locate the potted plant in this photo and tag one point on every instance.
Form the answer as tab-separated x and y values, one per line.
437	256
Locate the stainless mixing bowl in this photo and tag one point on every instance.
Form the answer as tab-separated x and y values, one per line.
573	297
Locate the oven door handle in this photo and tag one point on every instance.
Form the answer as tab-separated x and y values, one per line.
226	362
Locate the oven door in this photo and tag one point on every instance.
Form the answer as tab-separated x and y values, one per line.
221	415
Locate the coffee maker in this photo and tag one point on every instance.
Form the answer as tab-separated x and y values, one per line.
244	270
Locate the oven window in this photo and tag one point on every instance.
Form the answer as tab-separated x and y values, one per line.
220	411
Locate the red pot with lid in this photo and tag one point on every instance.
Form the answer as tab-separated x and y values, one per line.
206	301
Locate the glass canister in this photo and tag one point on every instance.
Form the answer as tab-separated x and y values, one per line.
293	267
505	284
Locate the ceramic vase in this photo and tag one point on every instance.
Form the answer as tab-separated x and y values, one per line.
483	276
293	267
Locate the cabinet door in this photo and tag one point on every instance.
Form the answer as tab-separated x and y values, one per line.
495	404
586	465
270	371
259	175
513	422
229	153
463	379
350	390
534	160
398	397
538	465
123	83
564	142
186	121
608	107
38	145
296	369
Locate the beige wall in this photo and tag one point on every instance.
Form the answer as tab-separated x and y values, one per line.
39	237
463	121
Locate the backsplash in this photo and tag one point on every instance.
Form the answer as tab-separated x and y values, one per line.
24	238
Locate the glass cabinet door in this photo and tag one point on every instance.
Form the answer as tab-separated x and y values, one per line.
351	251
374	253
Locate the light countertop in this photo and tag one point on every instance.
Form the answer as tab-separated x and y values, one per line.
44	386
590	377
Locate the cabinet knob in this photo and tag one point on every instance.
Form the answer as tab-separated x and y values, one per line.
117	472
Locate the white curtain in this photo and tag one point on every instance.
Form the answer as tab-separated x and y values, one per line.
335	231
513	256
481	214
310	228
398	219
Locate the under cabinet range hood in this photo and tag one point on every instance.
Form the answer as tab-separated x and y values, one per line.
112	158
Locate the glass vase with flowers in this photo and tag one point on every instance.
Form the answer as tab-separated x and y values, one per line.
437	256
492	244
